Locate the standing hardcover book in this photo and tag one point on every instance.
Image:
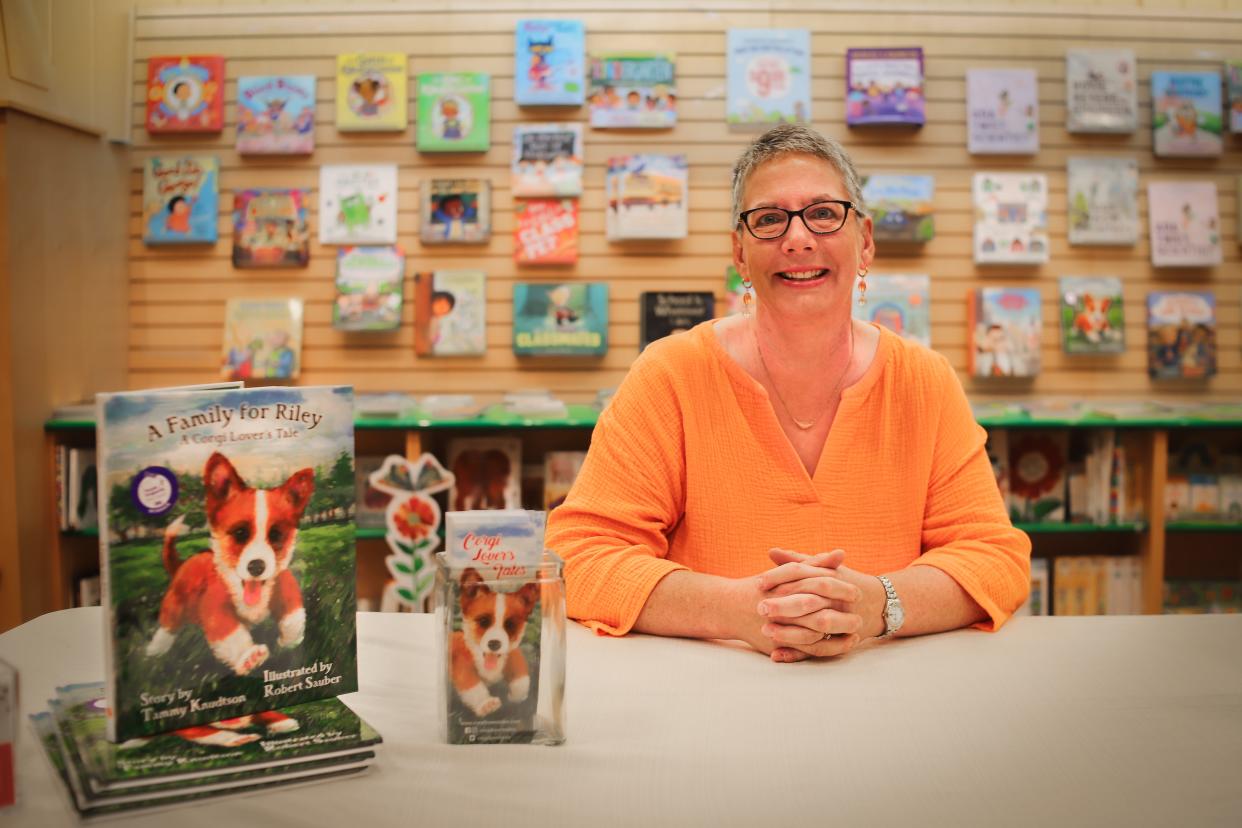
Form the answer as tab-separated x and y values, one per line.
450	313
769	77
634	90
358	204
369	285
1186	114
228	552
901	207
547	160
487	473
1037	476
180	199
1004	325
647	197
456	211
1002	111
371	92
185	93
1101	90
1103	200
549	63
1011	218
1181	334
1233	85
1092	321
560	470
276	115
83	489
545	231
262	339
270	229
662	313
899	302
454	112
560	319
884	87
1185	223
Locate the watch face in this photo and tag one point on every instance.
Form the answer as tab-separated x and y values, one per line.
896	615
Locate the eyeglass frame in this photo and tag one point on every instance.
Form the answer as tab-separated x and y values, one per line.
791	214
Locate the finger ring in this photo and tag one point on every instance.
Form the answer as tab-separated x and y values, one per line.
827	636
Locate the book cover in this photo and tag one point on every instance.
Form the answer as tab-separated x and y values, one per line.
1233	84
560	319
545	231
1011	218
547	160
83	490
454	112
1002	111
270	228
560	470
369	286
185	93
668	312
262	339
1186	114
884	87
1181	334
371	92
1103	200
450	313
372	502
1004	324
456	211
276	114
1101	90
487	473
1037	475
1092	321
1185	224
899	302
358	204
769	77
647	197
901	207
549	63
180	199
227	548
633	90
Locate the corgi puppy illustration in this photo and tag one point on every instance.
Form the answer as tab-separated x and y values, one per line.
485	653
228	733
244	578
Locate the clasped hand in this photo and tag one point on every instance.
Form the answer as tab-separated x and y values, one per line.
810	606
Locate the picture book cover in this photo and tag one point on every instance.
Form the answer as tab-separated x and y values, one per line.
1101	90
549	63
769	77
547	160
1186	114
185	93
369	285
884	87
633	90
1185	223
450	313
270	228
668	312
1103	200
358	204
899	302
1233	84
227	548
456	210
1011	218
276	115
1037	475
1181	334
180	199
372	503
1004	325
454	112
1092	321
901	207
487	473
560	319
262	339
371	92
83	490
647	197
1002	111
545	231
560	470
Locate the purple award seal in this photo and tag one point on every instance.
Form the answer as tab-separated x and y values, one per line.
154	490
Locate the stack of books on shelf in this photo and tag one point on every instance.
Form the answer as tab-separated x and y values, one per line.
1196	597
1097	585
1204	482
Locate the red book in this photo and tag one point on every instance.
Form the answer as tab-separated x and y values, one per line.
185	93
546	231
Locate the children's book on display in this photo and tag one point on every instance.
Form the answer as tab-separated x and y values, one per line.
901	207
1002	111
1233	85
1011	218
547	160
262	339
1101	90
1092	321
180	198
456	210
647	197
545	231
1004	325
884	87
450	313
358	204
371	92
1103	200
662	313
487	473
185	93
1186	114
369	285
276	115
1037	475
899	302
270	229
633	90
1181	334
549	63
566	319
1185	223
227	552
769	77
454	112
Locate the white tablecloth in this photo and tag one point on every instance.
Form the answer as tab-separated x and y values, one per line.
1053	721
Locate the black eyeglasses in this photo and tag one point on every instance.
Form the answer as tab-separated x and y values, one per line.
821	218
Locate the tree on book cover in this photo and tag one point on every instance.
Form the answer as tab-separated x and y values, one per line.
450	313
1186	113
228	552
901	303
884	87
276	114
769	77
180	198
1181	334
1004	326
669	312
1002	111
185	93
560	319
358	204
547	160
1184	224
369	286
647	197
1103	200
1092	321
270	228
456	210
545	231
633	90
1011	218
262	339
901	207
371	92
1101	90
454	112
549	57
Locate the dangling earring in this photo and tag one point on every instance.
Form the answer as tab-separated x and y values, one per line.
747	299
862	286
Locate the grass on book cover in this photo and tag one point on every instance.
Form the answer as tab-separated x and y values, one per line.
369	286
228	548
270	228
1186	111
768	77
884	87
179	199
1092	321
185	93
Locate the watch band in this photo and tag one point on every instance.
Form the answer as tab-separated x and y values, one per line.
894	614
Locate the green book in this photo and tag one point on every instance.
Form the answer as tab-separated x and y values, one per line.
454	112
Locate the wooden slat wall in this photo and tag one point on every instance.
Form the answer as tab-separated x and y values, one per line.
177	296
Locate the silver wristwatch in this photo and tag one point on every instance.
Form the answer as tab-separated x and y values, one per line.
894	613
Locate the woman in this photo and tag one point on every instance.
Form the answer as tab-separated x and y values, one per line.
790	478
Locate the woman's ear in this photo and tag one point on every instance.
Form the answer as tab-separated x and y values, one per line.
739	256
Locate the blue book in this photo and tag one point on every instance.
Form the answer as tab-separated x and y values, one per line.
568	319
180	198
550	60
901	207
1186	113
769	77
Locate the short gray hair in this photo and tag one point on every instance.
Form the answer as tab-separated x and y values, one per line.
795	139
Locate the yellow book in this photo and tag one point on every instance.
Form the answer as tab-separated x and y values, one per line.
371	92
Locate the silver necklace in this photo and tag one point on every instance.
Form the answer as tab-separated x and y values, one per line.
804	424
